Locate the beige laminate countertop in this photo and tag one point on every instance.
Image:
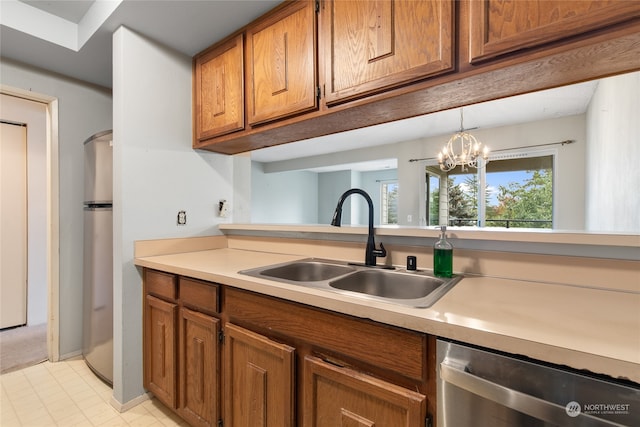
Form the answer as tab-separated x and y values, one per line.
593	329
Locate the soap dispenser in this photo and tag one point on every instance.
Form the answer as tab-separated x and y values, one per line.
443	255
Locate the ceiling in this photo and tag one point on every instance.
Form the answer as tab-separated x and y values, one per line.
33	31
74	38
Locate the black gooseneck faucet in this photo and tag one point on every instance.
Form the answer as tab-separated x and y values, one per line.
371	253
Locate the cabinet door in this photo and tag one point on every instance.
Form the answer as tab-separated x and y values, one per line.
199	368
160	349
259	380
379	44
336	396
498	26
281	58
219	90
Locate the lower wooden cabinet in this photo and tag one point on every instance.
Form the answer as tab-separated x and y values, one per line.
199	368
259	389
160	349
215	354
340	396
181	346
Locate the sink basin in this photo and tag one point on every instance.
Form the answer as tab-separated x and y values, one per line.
388	284
307	271
410	289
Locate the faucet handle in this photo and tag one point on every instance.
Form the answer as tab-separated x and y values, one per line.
380	253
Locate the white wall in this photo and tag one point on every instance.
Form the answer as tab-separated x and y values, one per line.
331	185
284	198
613	152
156	174
305	197
83	110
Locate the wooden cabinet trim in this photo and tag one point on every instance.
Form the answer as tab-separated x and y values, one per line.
483	46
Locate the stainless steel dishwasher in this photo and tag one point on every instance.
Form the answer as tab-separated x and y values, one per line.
479	388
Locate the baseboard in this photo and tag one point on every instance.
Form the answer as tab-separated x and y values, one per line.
71	355
124	407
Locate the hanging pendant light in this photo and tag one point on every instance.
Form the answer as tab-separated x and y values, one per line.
462	149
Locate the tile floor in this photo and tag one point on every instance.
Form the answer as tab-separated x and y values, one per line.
67	394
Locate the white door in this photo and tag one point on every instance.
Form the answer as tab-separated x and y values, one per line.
13	225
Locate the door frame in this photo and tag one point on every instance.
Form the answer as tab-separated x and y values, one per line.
53	213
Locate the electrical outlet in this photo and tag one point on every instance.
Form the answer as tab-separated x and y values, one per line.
223	209
409	218
182	218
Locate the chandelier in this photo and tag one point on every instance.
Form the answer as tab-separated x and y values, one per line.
469	150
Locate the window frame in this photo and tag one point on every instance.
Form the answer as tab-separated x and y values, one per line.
494	156
384	212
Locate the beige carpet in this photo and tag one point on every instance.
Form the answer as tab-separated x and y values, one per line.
22	347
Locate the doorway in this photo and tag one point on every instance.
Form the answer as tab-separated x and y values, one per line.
38	113
13	225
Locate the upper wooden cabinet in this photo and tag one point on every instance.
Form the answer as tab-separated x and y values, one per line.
281	63
377	61
219	90
498	27
378	44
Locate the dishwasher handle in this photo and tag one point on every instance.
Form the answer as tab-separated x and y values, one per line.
458	375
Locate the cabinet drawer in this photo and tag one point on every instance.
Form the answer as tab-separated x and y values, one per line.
161	284
202	296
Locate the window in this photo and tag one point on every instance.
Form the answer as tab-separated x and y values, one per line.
389	202
517	193
433	199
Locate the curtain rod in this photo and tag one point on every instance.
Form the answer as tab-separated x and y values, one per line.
565	142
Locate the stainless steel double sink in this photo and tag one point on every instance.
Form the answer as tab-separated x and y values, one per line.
398	286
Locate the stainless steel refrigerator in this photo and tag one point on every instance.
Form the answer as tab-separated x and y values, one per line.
98	255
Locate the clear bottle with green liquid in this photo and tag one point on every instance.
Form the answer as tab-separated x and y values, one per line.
443	255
